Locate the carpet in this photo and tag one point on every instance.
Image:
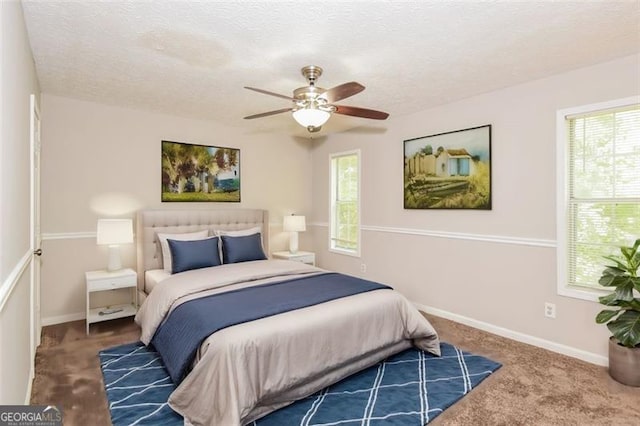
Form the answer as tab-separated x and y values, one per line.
410	388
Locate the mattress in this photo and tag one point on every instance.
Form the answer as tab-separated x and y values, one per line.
153	277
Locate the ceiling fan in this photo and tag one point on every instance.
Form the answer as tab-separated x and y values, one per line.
312	105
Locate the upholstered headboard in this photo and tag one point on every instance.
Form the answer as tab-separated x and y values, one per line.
151	222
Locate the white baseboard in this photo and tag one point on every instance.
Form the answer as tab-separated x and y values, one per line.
494	329
517	336
63	318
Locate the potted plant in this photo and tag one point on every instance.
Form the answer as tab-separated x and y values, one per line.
623	322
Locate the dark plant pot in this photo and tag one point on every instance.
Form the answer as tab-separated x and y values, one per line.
624	363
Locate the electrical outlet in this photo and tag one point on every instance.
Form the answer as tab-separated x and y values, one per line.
550	310
363	267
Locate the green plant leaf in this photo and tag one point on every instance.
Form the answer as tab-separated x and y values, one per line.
609	300
612	300
626	328
615	281
635	264
624	289
609	277
627	252
620	265
614	270
606	315
633	305
623	323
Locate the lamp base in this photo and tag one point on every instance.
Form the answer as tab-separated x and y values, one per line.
293	243
115	264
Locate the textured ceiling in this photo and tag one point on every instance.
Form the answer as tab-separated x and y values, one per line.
193	58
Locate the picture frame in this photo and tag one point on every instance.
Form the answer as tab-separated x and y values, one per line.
450	170
199	173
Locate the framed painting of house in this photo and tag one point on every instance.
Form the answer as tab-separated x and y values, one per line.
200	173
449	170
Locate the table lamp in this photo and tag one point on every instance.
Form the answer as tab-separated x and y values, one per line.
293	224
113	232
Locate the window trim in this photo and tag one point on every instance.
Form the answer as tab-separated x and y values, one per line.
332	156
562	193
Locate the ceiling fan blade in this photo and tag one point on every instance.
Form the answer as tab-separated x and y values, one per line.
266	114
360	112
342	91
270	93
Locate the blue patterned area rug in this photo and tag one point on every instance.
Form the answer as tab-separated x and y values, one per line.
410	388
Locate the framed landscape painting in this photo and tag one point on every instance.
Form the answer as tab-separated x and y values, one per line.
200	173
449	170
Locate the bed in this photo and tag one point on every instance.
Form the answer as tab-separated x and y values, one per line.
263	362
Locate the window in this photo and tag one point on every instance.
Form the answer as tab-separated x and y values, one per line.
344	229
598	192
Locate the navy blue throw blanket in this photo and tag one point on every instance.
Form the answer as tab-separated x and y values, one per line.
179	337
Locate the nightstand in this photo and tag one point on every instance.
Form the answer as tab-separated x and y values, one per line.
98	281
300	256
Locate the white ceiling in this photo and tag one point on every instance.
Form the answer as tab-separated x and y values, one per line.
193	58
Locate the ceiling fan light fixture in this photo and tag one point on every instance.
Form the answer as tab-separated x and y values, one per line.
313	105
311	117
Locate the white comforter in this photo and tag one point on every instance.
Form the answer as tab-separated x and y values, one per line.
246	371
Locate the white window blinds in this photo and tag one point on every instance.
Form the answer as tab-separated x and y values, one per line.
345	204
603	210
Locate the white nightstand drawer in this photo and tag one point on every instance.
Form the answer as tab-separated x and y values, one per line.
302	256
306	258
112	283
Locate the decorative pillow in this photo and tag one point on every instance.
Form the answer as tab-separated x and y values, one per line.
240	233
166	253
193	254
242	249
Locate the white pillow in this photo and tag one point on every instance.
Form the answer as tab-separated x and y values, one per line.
164	245
240	233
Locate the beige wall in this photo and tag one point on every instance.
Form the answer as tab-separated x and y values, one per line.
18	82
104	161
503	284
15	355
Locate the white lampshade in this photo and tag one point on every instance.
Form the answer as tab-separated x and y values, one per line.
115	231
112	232
311	117
294	224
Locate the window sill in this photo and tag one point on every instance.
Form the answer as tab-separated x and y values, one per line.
581	293
352	253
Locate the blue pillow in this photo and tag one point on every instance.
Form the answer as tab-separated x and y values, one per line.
242	249
195	254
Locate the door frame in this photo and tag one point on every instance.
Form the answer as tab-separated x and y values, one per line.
35	236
